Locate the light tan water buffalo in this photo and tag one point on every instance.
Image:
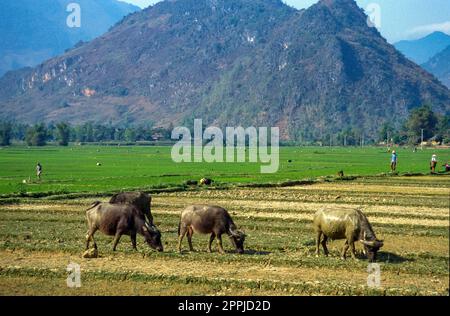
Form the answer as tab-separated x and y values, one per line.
349	224
120	219
208	219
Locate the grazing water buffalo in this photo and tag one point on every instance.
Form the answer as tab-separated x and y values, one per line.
140	200
206	219
351	225
117	220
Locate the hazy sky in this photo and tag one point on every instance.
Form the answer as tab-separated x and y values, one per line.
400	19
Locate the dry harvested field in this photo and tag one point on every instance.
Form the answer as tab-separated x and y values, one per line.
39	238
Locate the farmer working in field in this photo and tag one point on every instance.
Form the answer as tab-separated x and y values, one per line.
393	161
447	167
433	163
39	170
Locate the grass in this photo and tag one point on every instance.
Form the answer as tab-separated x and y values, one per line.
38	238
74	169
42	231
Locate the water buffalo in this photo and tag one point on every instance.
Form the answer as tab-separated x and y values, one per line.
117	220
206	219
140	200
348	224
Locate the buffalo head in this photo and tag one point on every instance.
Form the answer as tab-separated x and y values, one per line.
238	238
153	237
371	248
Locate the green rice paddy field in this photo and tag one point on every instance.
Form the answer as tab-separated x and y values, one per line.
74	169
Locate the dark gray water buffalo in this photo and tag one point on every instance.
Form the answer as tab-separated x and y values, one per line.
117	220
348	224
141	200
206	219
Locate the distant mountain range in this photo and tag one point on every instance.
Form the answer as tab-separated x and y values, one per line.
439	65
311	72
422	50
33	31
432	52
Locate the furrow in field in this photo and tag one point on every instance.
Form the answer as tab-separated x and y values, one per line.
232	271
277	209
281	206
317	197
301	207
365	188
308	217
20	282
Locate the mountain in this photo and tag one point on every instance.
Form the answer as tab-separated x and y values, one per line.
33	31
230	62
439	66
421	50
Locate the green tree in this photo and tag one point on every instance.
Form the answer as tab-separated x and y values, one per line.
5	134
80	134
443	128
19	131
386	132
422	118
89	133
118	134
63	133
130	135
36	135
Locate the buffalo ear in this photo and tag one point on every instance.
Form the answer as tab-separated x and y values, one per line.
144	228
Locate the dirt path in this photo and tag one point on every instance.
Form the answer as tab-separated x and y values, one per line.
231	272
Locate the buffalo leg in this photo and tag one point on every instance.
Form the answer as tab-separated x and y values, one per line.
89	237
133	241
183	231
116	240
318	236
93	240
219	244
353	250
189	237
324	245
211	239
344	250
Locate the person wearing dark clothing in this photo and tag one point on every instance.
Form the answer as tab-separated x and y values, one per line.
39	170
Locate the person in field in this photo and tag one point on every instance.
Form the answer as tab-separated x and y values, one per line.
39	170
447	167
433	163
394	159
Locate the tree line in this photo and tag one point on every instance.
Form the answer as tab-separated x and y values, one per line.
63	133
422	124
422	121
